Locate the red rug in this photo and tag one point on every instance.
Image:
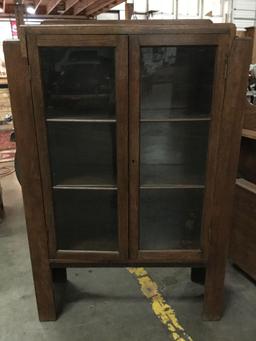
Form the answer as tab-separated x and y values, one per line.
5	142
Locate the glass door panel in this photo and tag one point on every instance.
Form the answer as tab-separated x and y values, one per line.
176	81
82	153
83	113
173	153
175	115
79	81
86	219
170	218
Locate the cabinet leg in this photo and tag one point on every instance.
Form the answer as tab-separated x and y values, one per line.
45	297
214	292
59	275
197	275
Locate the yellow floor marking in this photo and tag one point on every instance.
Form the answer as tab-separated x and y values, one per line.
159	306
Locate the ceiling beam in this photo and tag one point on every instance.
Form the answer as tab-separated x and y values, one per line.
82	5
37	4
101	6
4	3
19	16
51	7
129	8
69	6
9	8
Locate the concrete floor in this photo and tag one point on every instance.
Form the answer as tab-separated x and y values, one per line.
107	304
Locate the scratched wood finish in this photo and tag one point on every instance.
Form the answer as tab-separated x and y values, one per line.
21	102
229	143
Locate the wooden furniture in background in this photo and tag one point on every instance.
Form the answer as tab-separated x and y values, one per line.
243	236
251	33
163	154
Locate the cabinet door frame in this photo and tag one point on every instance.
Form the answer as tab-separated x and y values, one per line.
223	44
120	43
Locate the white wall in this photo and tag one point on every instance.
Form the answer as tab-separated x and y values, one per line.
244	13
187	9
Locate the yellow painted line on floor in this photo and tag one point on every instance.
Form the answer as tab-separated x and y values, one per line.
161	309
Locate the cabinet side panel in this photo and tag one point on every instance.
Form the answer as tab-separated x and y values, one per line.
27	154
228	154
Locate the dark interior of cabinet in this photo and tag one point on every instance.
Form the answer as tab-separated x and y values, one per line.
175	115
170	218
247	161
86	219
79	102
82	153
173	153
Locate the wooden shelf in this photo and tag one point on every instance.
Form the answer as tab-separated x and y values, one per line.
248	133
174	113
80	96
176	119
87	187
249	186
101	178
176	186
81	119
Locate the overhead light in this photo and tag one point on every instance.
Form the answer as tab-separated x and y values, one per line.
30	9
1	10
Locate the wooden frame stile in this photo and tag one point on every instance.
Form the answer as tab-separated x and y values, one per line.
228	155
222	42
223	51
120	43
22	107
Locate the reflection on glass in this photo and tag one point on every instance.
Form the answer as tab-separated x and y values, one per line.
78	81
176	81
170	219
82	153
173	153
175	104
86	219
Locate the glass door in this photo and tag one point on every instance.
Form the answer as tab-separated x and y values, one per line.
82	146
171	121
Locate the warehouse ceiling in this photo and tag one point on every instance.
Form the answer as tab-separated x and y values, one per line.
87	8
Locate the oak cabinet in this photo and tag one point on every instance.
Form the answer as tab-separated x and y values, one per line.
125	133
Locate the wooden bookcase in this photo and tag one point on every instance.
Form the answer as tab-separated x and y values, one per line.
243	236
128	136
250	32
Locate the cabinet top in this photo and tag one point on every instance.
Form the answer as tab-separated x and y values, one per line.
130	27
